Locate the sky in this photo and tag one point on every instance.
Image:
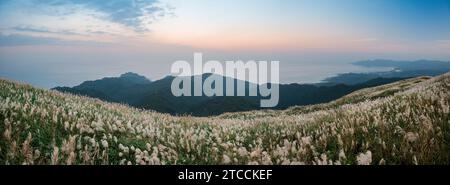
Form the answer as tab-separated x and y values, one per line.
64	42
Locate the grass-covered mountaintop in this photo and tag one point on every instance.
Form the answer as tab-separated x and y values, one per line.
406	122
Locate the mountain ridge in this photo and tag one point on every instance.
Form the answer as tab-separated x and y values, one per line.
157	95
137	91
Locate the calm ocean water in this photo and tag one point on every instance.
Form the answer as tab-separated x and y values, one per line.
51	74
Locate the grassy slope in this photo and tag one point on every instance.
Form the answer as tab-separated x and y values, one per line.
406	122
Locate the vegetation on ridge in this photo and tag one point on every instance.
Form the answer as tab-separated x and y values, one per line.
402	123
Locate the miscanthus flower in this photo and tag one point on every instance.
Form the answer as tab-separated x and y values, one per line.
364	158
105	144
411	137
405	127
226	159
382	162
242	151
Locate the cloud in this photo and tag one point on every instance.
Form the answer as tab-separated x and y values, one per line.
443	41
369	39
26	40
30	28
136	14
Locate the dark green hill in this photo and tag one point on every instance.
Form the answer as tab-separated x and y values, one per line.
157	95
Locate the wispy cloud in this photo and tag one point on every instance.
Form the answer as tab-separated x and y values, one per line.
134	14
36	29
27	40
131	13
366	40
443	41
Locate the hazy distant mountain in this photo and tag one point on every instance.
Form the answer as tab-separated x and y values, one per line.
407	65
400	69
